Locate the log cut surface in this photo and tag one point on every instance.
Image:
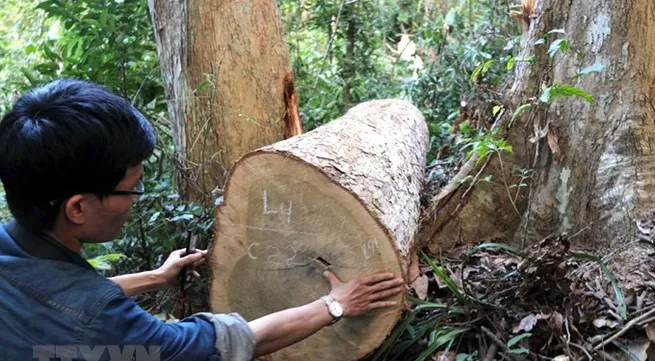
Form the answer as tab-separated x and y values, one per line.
344	197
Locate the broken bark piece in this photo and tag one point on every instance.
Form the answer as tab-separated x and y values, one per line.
343	197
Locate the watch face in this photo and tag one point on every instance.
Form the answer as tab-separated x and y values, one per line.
336	310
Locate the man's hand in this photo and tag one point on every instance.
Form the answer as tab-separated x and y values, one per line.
281	329
364	294
163	277
170	270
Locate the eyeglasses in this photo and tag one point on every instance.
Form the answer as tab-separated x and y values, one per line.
137	190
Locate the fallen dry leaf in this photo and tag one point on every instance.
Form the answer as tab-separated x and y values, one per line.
539	133
526	324
440	356
562	358
553	143
557	319
420	285
413	267
601	322
650	332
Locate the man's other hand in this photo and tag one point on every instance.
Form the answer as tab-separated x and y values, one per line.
170	270
364	294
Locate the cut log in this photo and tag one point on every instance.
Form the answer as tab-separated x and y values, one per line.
343	197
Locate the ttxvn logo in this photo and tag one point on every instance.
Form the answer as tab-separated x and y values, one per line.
95	353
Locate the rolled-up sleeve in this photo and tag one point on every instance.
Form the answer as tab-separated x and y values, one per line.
201	337
234	338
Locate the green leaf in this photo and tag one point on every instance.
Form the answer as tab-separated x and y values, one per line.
30	49
440	338
30	77
439	272
559	91
510	63
103	17
510	249
481	69
519	351
519	111
596	68
51	54
48	68
93	23
186	217
514	340
558	45
532	60
105	261
154	217
202	85
620	299
546	96
541	41
453	18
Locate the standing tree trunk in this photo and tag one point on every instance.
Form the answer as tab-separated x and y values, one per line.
592	164
344	197
228	81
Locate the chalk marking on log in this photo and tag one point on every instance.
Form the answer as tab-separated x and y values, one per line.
275	252
271	229
289	261
249	250
372	245
273	256
282	210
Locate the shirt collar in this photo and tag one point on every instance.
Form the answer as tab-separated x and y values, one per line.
40	245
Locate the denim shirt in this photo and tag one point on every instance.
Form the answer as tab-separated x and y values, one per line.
54	305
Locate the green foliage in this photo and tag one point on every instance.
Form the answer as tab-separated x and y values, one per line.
20	26
107	42
560	91
450	284
559	45
435	56
104	262
438	338
516	339
519	111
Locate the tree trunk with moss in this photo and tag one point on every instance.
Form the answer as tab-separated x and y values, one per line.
590	165
229	85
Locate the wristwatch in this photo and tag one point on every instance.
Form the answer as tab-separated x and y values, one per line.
334	307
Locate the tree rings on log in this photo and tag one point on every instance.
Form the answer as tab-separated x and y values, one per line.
344	198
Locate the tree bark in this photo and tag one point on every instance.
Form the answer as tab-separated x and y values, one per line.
229	84
343	197
593	166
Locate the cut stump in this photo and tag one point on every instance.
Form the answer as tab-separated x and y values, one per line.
344	197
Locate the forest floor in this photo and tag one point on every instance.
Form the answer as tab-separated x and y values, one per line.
545	302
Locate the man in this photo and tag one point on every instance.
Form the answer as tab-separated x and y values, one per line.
70	162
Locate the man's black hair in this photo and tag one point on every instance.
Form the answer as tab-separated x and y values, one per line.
64	138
